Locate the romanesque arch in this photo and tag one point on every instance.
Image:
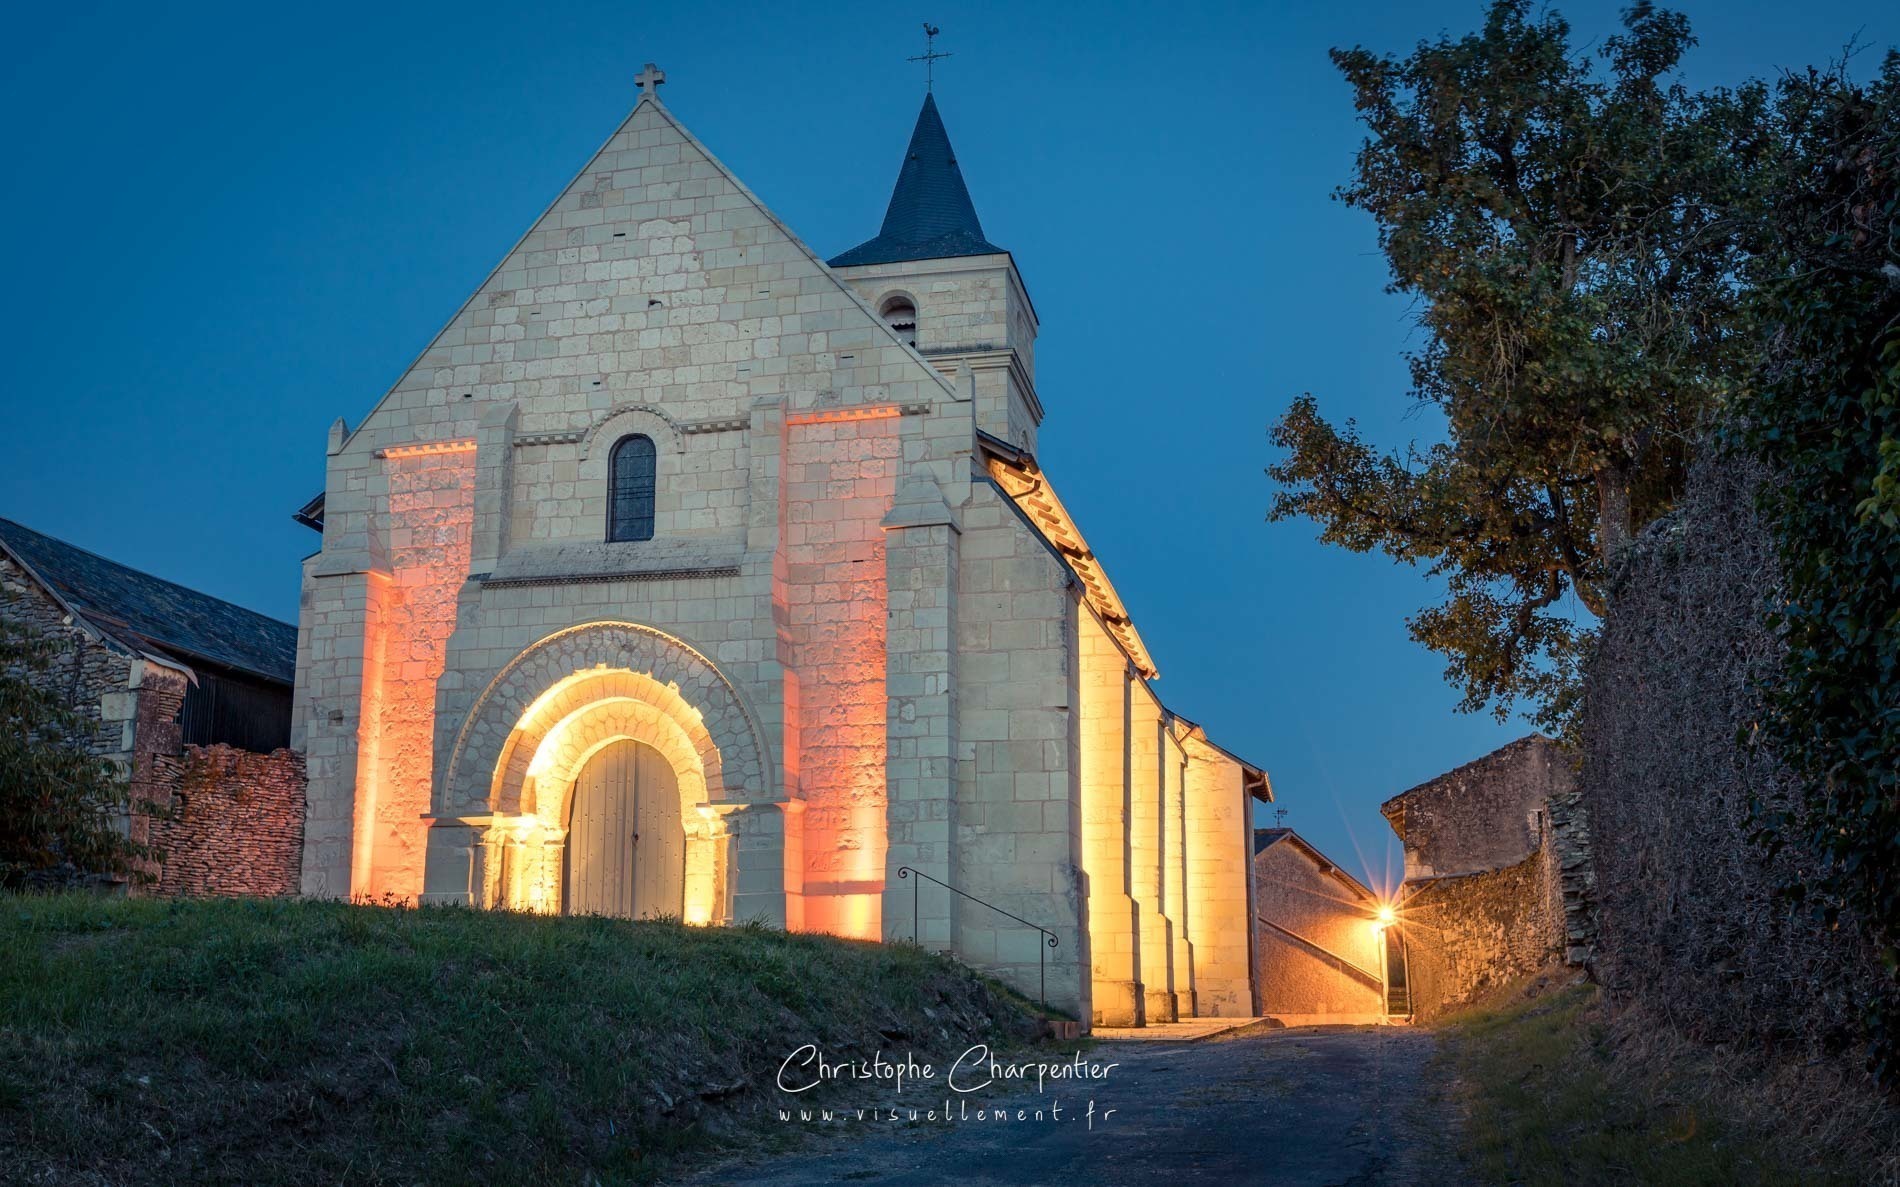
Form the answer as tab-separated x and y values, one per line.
567	670
563	700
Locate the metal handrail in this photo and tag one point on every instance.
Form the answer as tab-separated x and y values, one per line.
1042	956
1371	978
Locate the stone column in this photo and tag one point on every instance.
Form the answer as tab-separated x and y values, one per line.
342	593
494	487
455	872
921	535
1219	881
1148	847
1174	771
1114	930
764	844
548	885
708	858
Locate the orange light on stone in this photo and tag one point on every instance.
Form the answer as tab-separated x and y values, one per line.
411	613
839	479
841	415
426	448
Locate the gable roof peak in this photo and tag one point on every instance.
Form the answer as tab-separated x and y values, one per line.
930	215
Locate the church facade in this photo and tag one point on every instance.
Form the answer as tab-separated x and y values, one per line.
686	574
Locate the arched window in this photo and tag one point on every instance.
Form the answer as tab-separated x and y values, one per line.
630	489
901	316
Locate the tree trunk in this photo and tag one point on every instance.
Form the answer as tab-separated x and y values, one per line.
1613	509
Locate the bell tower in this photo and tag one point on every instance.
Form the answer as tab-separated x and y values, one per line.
946	289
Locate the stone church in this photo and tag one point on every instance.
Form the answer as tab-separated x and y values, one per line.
689	574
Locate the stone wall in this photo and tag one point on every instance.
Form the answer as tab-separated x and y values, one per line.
88	675
1217	834
230	822
1689	923
130	702
1019	790
1468	933
1486	814
234	825
839	478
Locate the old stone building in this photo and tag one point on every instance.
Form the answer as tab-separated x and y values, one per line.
1497	873
688	574
1321	937
189	694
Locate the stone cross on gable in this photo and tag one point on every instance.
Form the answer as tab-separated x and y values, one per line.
649	80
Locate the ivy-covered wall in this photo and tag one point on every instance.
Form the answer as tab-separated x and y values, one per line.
1688	920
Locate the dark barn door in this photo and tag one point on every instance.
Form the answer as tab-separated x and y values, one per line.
626	847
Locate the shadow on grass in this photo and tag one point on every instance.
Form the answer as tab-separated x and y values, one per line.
1553	1096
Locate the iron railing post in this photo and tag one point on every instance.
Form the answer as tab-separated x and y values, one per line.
1048	938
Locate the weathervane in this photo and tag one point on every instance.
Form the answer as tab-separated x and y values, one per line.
1279	817
930	55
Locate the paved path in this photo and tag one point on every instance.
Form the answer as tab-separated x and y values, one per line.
1301	1108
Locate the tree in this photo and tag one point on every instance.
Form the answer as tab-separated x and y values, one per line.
62	807
1573	237
1825	416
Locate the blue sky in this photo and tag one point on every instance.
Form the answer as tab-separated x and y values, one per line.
231	224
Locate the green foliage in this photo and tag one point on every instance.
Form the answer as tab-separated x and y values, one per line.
1826	419
1572	236
62	808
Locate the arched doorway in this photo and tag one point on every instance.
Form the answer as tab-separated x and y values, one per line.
626	843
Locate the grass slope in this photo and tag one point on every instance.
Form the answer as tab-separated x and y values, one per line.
301	1042
1556	1091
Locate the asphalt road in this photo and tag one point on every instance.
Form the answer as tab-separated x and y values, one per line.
1304	1107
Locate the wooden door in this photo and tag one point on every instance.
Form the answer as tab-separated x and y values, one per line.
626	847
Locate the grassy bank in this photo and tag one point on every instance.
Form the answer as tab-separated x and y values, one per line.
300	1042
1558	1089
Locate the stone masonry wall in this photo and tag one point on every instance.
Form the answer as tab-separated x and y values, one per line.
235	824
230	822
656	295
427	537
1484	815
1467	933
131	703
839	477
1019	819
972	312
1218	834
88	674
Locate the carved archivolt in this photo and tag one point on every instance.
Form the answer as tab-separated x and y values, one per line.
540	714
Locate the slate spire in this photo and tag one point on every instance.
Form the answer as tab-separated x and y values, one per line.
930	216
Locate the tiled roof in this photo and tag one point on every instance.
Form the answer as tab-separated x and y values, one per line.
930	216
147	613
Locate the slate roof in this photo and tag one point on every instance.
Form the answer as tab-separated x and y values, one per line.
1263	837
930	216
146	613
